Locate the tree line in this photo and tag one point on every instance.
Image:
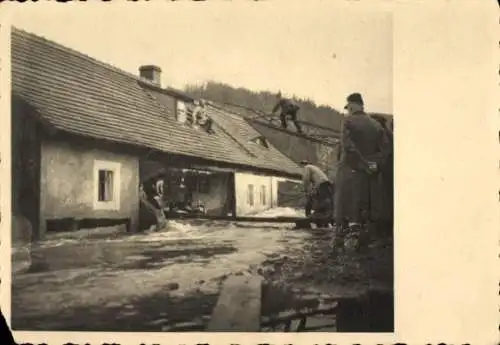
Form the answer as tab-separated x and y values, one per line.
263	101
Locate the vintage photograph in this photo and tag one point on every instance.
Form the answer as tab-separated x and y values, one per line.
191	168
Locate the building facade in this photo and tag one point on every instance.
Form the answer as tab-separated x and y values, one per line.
254	193
84	134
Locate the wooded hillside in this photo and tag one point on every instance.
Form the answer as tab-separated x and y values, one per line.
296	148
264	101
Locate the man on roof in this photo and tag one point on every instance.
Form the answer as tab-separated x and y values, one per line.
289	108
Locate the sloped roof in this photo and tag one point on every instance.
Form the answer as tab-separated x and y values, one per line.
83	96
244	133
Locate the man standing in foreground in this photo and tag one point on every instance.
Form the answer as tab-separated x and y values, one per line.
288	108
317	188
360	194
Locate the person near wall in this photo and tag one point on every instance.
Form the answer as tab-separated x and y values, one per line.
360	193
318	190
153	188
159	185
289	108
150	190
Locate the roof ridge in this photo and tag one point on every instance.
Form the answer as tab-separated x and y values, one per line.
56	45
233	113
73	51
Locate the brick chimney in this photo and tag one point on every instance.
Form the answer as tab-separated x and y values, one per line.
151	73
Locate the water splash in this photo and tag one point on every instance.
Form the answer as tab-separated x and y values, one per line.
175	230
281	212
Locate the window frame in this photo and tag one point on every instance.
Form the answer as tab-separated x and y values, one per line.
261	141
185	110
115	168
251	194
263	195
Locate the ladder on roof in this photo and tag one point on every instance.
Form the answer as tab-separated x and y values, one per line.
310	131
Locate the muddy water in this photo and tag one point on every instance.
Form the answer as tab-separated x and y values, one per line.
146	282
123	254
74	275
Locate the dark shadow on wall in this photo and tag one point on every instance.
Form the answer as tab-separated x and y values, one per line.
27	130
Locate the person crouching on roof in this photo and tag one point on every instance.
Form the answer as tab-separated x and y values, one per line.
318	190
201	117
288	108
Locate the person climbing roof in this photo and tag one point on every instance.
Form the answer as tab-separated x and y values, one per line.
289	108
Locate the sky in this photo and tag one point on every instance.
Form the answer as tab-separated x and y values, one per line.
322	52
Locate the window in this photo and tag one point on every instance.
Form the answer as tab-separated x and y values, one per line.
106	185
263	195
250	195
181	111
194	114
261	141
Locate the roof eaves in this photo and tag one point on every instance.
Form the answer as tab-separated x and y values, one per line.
26	106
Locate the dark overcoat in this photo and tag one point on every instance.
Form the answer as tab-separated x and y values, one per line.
361	196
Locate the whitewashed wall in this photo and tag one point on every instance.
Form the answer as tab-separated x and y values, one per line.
244	206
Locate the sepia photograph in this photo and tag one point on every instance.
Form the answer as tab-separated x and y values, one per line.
196	169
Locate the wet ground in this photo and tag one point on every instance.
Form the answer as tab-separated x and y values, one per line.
151	282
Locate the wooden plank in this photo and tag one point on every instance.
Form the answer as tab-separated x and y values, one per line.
239	305
293	220
236	219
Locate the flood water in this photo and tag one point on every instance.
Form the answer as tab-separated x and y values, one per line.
111	281
86	270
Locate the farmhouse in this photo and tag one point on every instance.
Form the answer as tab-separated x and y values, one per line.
85	135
